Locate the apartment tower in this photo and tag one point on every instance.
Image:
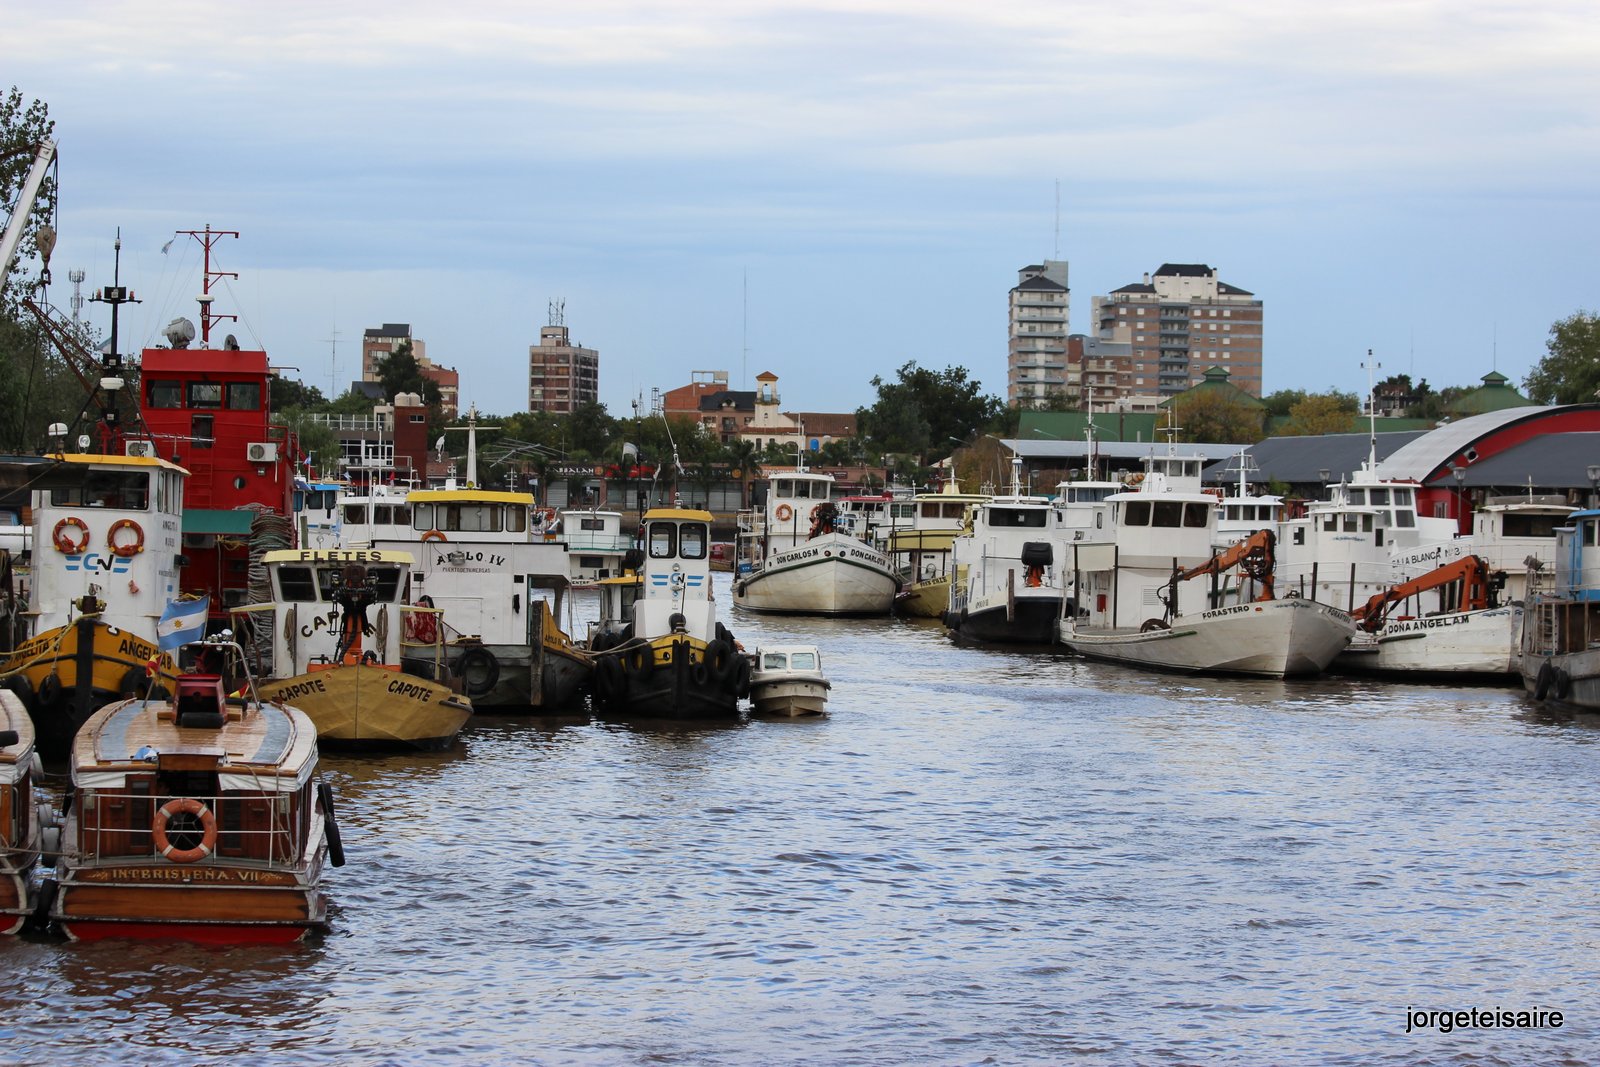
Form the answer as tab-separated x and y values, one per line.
1036	355
1180	322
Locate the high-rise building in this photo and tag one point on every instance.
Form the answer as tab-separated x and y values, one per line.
1036	354
561	375
1180	322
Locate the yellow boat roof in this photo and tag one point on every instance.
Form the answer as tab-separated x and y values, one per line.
622	579
337	555
462	496
108	458
693	514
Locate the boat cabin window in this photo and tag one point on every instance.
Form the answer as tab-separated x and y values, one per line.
470	518
591	524
244	396
1514	525
663	540
122	490
803	661
383	581
296	583
906	511
692	540
355	513
802	490
205	394
1404	499
774	661
1017	518
1406	518
164	394
202	432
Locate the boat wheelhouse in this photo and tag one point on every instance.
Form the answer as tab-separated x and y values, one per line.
658	646
111	524
596	543
341	641
198	818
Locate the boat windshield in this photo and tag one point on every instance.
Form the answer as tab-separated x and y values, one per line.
803	661
1017	518
122	490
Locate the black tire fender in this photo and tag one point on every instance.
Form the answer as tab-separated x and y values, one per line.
480	660
1541	681
330	825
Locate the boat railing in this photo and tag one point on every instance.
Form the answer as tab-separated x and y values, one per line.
252	828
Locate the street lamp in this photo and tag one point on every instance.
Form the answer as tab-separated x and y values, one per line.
1594	482
1324	474
1459	473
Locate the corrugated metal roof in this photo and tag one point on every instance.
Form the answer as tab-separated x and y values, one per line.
1428	453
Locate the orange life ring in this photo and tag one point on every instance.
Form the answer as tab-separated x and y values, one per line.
208	826
133	549
63	540
784	513
433	535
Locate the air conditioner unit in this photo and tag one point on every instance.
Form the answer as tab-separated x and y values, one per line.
147	449
266	452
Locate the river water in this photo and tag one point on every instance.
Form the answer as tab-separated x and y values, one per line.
980	856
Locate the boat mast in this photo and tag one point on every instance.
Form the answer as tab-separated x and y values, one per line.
1372	414
207	238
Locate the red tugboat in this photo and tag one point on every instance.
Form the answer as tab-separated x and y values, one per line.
207	410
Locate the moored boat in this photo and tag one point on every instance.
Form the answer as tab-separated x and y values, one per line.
795	558
1462	631
1006	585
112	526
788	680
198	818
921	549
340	641
1138	603
658	647
1561	621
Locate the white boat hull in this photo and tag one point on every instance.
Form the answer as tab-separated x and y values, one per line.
792	696
1275	638
829	575
1463	643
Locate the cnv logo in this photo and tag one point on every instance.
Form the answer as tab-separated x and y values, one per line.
94	561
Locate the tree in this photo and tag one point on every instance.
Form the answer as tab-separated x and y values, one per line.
285	393
1320	413
1279	404
1570	372
399	372
590	429
22	128
1210	415
924	411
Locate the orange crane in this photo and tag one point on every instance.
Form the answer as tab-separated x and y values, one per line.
1254	556
1479	589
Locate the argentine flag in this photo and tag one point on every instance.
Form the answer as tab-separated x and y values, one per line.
183	621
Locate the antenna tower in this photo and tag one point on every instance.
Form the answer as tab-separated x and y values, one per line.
333	364
558	312
208	239
76	278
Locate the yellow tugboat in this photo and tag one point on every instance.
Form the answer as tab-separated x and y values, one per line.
658	647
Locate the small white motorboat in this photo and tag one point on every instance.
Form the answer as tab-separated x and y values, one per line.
788	680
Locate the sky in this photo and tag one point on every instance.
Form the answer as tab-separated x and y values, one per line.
825	190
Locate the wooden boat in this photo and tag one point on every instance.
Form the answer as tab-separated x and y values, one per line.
341	642
200	818
111	524
20	823
658	647
1236	624
794	557
788	680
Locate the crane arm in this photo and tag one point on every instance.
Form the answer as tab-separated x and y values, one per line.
1471	571
12	239
1254	555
